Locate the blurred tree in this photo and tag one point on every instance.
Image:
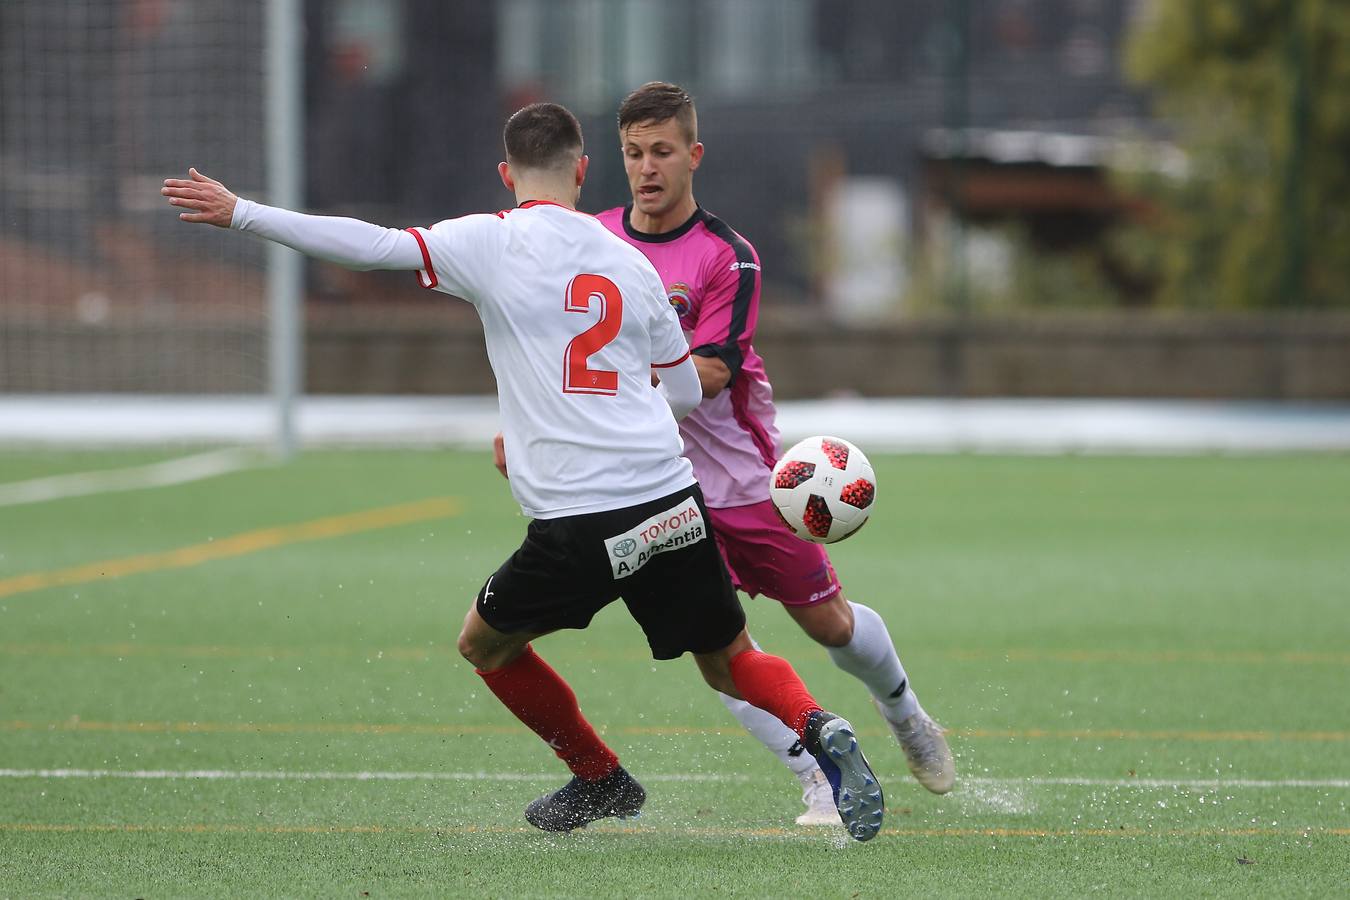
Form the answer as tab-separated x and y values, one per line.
1260	93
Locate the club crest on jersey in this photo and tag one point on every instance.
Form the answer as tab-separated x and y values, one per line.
678	294
677	527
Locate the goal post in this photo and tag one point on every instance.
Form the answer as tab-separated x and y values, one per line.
102	290
284	74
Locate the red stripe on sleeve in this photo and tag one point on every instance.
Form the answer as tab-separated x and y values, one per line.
431	280
671	364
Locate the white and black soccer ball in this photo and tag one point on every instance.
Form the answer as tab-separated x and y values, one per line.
824	488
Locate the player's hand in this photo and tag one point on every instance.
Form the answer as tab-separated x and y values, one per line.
499	454
207	200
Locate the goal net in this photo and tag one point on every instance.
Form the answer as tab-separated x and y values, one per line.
102	289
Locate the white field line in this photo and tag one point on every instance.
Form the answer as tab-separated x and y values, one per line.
231	775
246	775
160	474
1185	783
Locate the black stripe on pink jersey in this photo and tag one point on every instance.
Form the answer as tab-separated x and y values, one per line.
729	350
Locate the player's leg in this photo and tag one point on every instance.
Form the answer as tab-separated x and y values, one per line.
857	640
770	683
684	601
787	747
771	560
519	603
536	694
782	742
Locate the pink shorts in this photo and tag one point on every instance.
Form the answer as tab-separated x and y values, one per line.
765	557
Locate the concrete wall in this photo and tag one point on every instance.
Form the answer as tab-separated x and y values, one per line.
1221	358
1281	357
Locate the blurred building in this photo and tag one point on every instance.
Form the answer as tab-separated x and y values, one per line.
814	112
873	151
804	103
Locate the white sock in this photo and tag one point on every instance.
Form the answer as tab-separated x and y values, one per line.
871	658
777	738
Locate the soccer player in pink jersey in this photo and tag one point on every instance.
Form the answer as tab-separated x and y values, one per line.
712	276
575	321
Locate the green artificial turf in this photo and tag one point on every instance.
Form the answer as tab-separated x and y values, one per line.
1143	664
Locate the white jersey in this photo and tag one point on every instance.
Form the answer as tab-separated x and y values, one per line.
574	318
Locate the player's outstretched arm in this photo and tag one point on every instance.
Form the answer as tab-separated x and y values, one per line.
348	242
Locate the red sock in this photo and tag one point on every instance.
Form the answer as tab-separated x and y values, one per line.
541	699
770	683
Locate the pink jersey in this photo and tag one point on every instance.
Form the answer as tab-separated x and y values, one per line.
711	275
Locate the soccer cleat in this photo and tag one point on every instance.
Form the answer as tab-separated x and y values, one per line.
578	803
819	799
857	795
926	750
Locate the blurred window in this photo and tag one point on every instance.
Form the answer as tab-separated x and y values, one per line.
589	52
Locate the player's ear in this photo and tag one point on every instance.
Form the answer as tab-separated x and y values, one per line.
695	155
504	170
582	165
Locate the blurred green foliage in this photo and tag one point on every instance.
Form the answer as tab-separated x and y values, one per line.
1259	92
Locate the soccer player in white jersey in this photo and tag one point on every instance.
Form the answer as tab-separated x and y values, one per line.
575	321
712	277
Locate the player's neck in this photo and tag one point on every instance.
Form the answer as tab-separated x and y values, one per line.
546	192
669	220
523	197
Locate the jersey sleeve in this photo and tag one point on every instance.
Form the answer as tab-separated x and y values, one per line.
346	242
460	255
730	306
669	347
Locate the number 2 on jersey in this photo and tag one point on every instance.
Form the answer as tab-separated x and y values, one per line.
578	378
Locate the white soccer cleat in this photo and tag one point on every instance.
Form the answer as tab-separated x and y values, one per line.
926	749
819	799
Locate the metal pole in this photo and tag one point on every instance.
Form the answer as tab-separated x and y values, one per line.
283	76
1296	65
957	103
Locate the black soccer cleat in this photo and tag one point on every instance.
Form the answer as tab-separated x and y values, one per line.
857	794
578	803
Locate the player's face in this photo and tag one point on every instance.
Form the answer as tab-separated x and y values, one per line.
660	163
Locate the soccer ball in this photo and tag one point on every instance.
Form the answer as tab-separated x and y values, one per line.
823	488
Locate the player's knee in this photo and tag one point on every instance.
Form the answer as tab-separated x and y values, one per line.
716	671
830	630
471	651
835	636
829	623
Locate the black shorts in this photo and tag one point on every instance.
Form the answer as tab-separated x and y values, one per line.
659	556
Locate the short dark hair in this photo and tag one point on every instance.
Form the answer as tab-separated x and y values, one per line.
542	136
660	101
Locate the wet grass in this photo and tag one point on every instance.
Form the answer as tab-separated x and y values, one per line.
1142	662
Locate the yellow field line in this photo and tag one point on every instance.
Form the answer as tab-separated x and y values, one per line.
235	545
439	652
376	728
693	831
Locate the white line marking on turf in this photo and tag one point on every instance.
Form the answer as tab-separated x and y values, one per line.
246	775
228	775
1164	782
160	474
